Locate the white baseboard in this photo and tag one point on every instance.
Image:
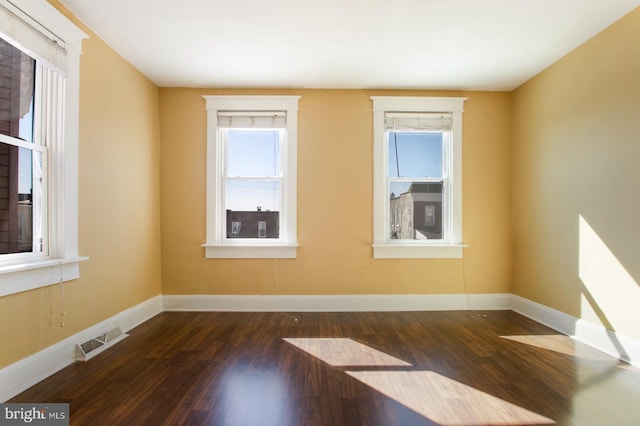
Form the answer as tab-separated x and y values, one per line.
610	342
21	375
336	303
552	318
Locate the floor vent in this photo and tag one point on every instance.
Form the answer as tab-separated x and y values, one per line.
87	350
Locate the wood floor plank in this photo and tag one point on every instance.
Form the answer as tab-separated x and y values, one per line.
394	368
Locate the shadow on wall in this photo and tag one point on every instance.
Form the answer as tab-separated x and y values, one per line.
610	293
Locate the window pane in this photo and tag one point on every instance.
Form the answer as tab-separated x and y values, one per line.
253	153
17	72
20	219
252	209
250	195
415	155
415	210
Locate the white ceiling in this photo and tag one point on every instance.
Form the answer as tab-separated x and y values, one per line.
413	44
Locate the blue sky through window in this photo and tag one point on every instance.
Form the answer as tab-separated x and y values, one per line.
414	155
253	153
245	195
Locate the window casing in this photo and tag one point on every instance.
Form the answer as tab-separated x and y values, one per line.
39	143
417	177
251	176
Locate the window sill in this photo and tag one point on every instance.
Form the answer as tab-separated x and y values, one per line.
250	251
19	277
415	251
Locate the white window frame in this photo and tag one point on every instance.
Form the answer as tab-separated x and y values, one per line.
278	177
61	262
217	245
451	246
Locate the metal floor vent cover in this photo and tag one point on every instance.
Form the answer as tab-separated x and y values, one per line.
96	345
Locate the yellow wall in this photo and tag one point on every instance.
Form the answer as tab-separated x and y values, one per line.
334	203
576	170
119	201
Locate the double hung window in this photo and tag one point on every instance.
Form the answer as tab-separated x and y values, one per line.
251	176
39	66
22	157
417	177
252	179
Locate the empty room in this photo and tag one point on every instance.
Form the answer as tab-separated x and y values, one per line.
367	212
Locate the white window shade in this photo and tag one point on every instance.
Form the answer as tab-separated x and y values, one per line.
394	121
27	34
252	120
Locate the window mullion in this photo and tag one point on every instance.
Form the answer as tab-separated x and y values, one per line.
282	164
448	169
219	213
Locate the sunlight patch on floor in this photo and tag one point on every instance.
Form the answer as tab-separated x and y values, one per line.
561	344
446	401
436	397
342	352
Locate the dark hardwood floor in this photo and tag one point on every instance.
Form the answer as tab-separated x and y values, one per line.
409	368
